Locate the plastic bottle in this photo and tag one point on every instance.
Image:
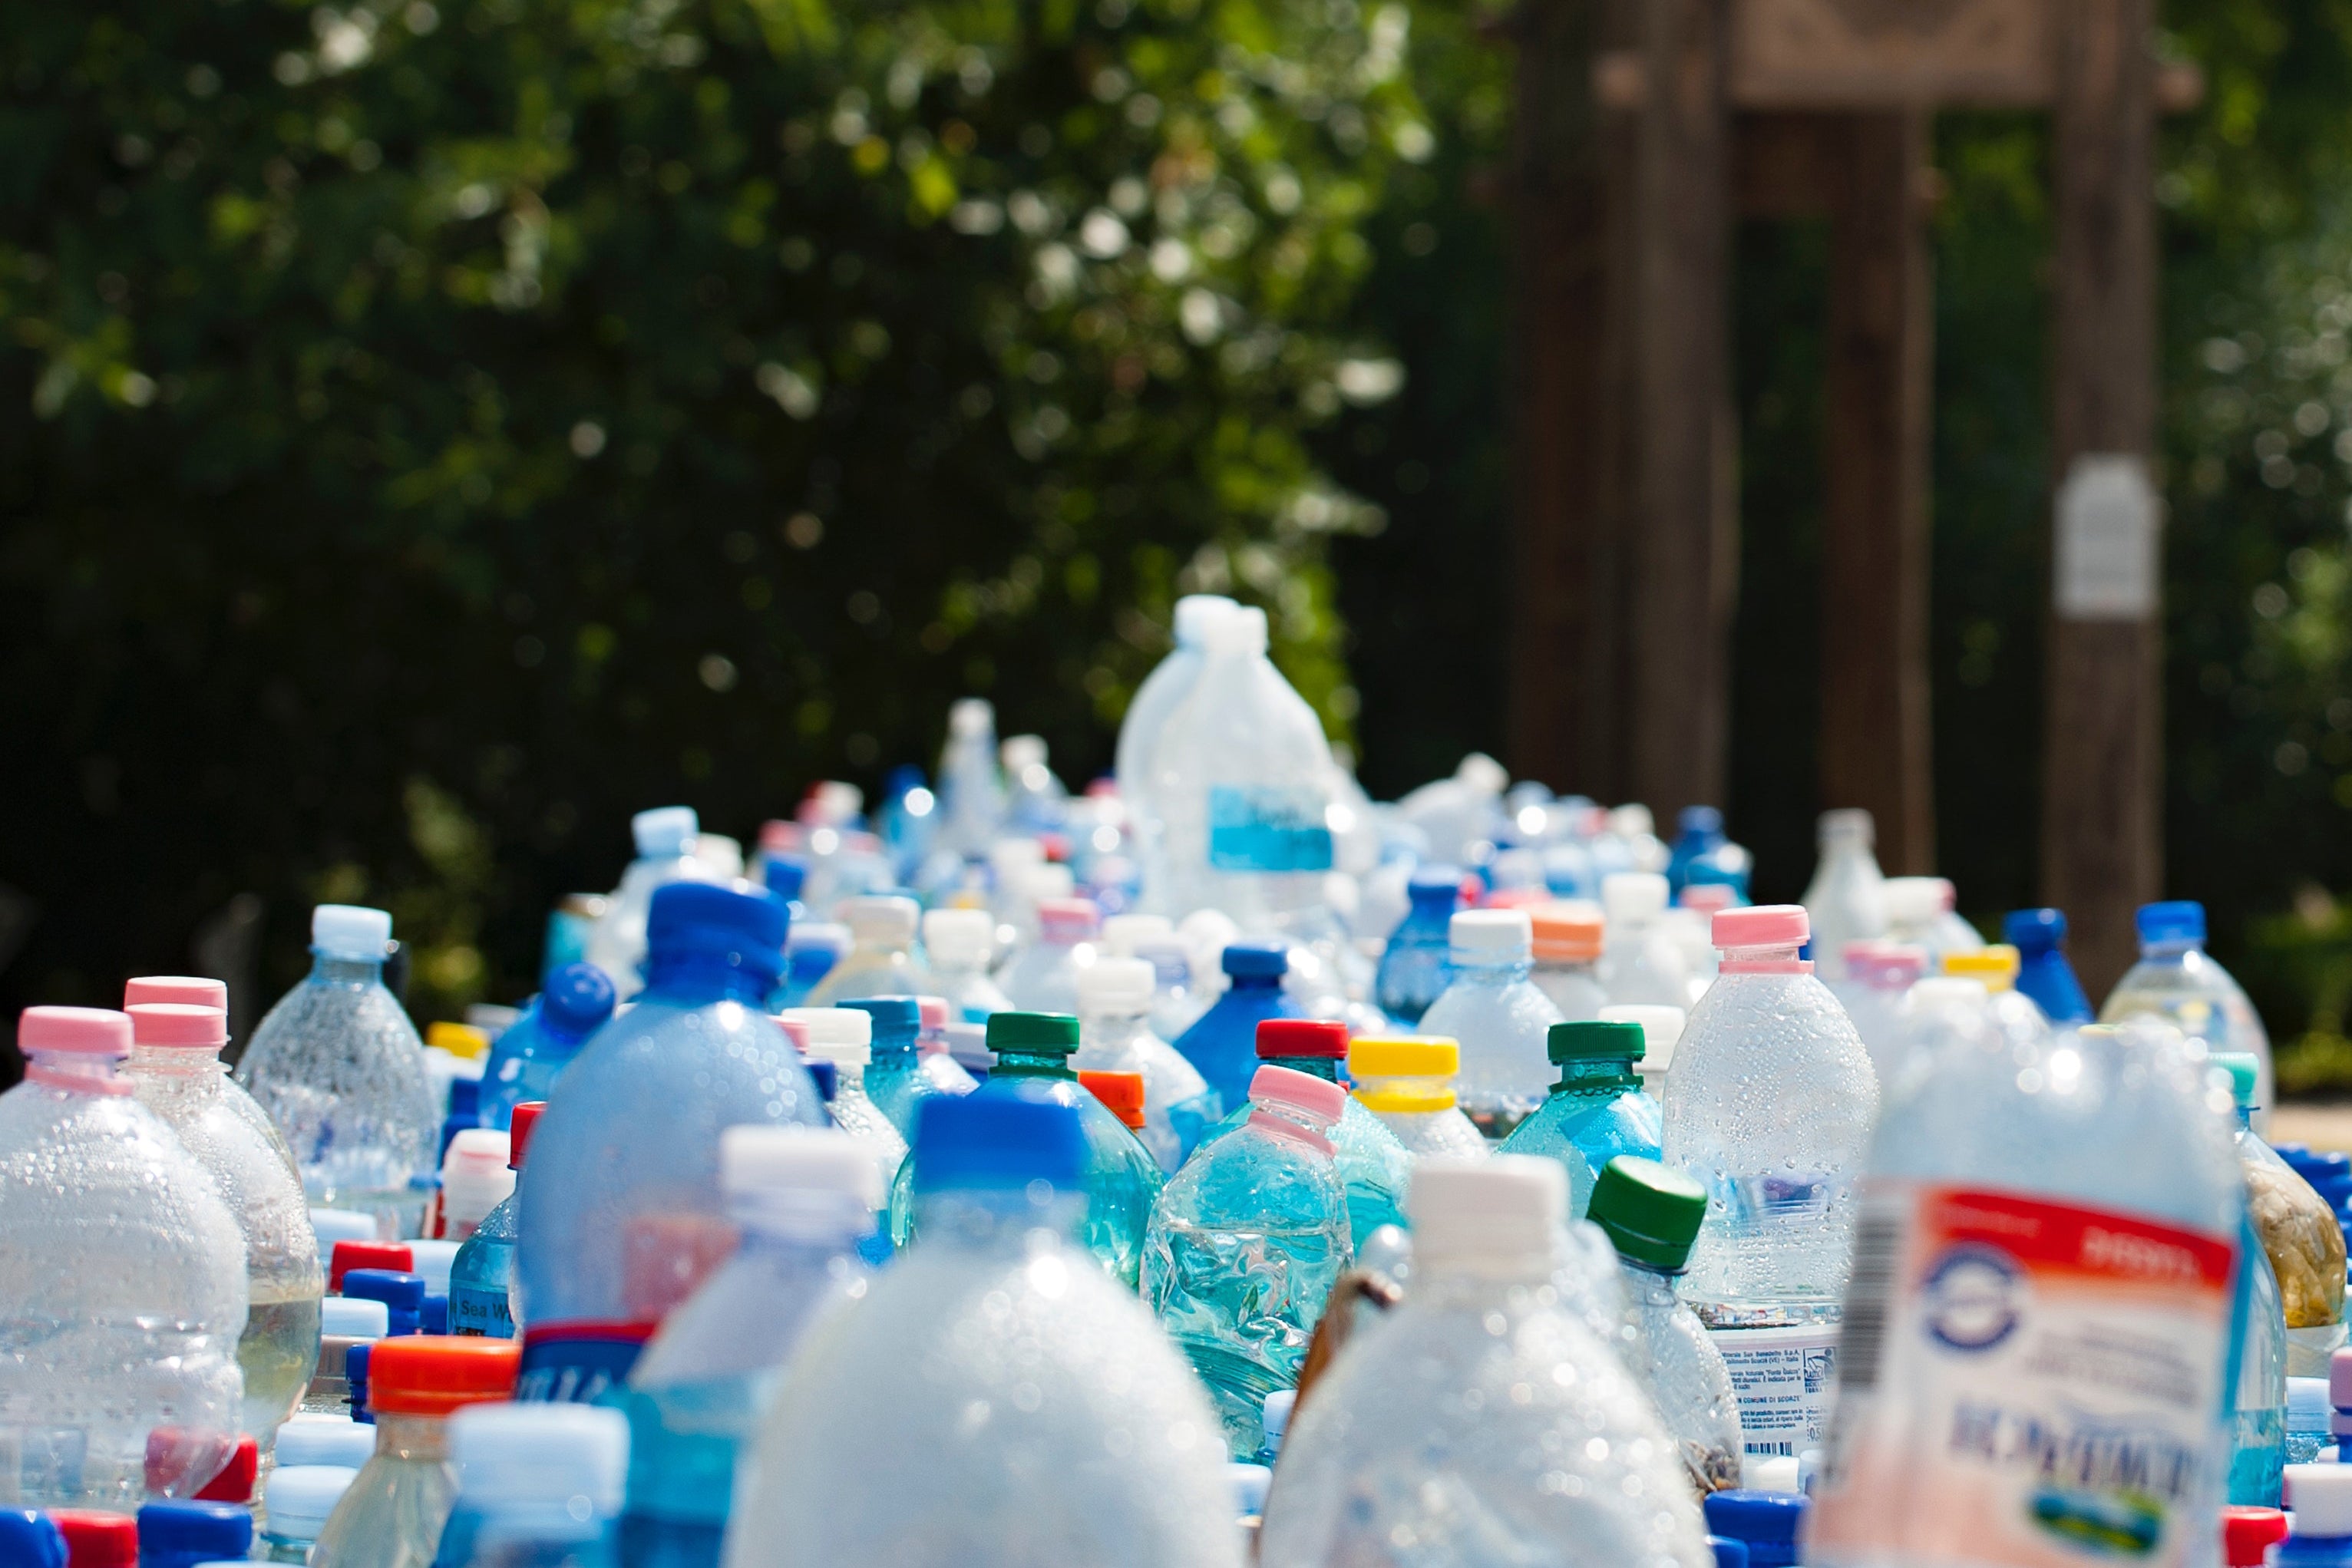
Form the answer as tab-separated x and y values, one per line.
1373	1167
936	1062
1878	975
1846	900
393	1513
1497	1015
972	797
1460	811
1767	1524
301	1499
538	1486
1412	972
1034	800
2063	1214
122	1274
1596	1111
1177	1002
1922	912
896	1075
1567	949
339	1068
199	991
1407	1080
1148	712
1044	978
1481	1420
329	1442
622	1217
840	1036
481	1277
665	841
1642	965
2043	974
881	960
1703	856
573	1003
1083	1436
812	948
2258	1444
959	944
1114	1036
477	1175
1246	1244
2178	982
176	1072
1222	1045
2299	1235
174	1533
2309	1413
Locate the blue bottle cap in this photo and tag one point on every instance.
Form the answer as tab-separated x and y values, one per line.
1256	960
2032	931
575	1001
827	1076
465	1100
999	1137
2180	920
30	1539
356	1379
1766	1520
432	1317
1429	884
740	925
173	1532
1728	1553
1704	821
403	1294
784	875
897	1019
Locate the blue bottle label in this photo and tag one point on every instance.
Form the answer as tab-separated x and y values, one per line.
474	1310
1267	829
574	1364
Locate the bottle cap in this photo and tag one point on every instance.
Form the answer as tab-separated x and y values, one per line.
30	1539
1256	960
959	936
1762	925
1499	1210
1065	921
1121	933
330	1441
664	832
784	874
1847	825
346	1256
997	1140
893	1021
2339	1378
1323	1038
188	990
575	1000
1633	897
968	1045
932	1014
348	931
191	1531
518	1130
1650	1212
2307	1403
431	1375
881	919
235	1481
1995	965
1318	1099
1403	1056
462	1040
970	716
2321	1499
80	1031
573	1458
1700	822
1916	900
2032	931
1120	1093
353	1317
740	925
1490	932
1882	964
843	1035
2245	1076
2178	923
1248	1483
1566	933
1595	1041
1434	883
1194	613
1033	1032
1111	985
1241	631
402	1293
764	1169
333	1225
478	1171
1276	1418
178	1026
1767	1521
816	937
2249	1533
1728	1553
1630	821
299	1497
96	1539
1661	1030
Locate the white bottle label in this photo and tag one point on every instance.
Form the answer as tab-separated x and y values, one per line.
1782	1376
1268	830
2025	1383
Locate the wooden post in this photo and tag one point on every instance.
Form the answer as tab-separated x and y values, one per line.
2102	825
1875	743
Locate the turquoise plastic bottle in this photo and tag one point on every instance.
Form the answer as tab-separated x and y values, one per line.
894	1078
1373	1166
481	1275
1596	1111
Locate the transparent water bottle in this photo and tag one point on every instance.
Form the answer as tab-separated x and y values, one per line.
1146	715
1412	972
1246	1244
665	841
960	945
2043	973
122	1276
1846	900
972	795
573	1003
2300	1234
1596	1111
897	1076
198	991
840	1036
1494	1010
339	1068
881	960
538	1486
1481	1421
1567	947
1114	1036
2178	982
393	1513
1070	1432
175	1070
1921	913
2052	1221
1642	965
2288	1247
1407	1080
1222	1044
481	1277
622	1218
1044	977
1879	975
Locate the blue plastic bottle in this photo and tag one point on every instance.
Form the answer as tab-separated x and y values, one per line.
2043	975
1596	1111
621	1217
896	1079
537	1487
1373	1166
524	1064
182	1534
1702	855
1413	973
480	1280
1223	1046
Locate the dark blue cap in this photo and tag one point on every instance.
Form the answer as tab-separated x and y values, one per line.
1766	1520
2181	920
1432	883
355	1370
465	1100
2033	930
740	925
1001	1136
897	1019
173	1534
784	875
1704	821
575	1001
402	1295
30	1539
433	1316
827	1076
1728	1553
1256	960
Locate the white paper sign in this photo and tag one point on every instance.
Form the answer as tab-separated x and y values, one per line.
2109	524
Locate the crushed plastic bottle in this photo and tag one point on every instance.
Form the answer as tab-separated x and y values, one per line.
1407	1080
2178	982
538	1486
1044	978
1114	1036
959	944
881	960
1413	971
1846	901
665	838
1596	1111
1492	1009
573	1003
393	1513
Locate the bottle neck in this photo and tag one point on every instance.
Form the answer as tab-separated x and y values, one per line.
1293	1125
1327	1068
1489	968
1647	1285
77	1073
401	1437
1261	984
1113	1030
337	970
1596	1073
1013	1062
1577	965
695	978
894	1051
184	1065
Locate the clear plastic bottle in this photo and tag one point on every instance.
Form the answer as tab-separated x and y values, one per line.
972	795
1481	1421
881	960
1114	1036
936	1062
1568	942
573	1003
1407	1080
1222	1044
1034	800
1642	965
200	991
123	1275
1178	1000
2178	982
2051	1224
2274	1254
481	1277
1596	1111
842	1036
1498	1017
2300	1235
1412	972
1044	977
538	1486
665	841
339	1068
1069	1431
621	1217
2043	974
1652	1215
175	1070
393	1511
1922	912
298	1500
1879	975
898	1077
1846	900
1246	1244
1148	713
960	944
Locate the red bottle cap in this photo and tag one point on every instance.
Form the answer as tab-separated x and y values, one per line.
235	1483
95	1539
350	1255
2249	1533
1302	1036
526	1117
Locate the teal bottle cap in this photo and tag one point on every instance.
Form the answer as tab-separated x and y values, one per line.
2245	1073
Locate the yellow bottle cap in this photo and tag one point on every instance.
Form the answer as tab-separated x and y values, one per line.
1995	965
458	1039
1431	1059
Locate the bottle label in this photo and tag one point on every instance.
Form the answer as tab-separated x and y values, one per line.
2025	1383
574	1364
474	1309
1782	1376
1267	829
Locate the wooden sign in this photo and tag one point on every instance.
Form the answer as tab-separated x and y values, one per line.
1887	54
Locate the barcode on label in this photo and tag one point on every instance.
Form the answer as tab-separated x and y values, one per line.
1870	1294
1772	1450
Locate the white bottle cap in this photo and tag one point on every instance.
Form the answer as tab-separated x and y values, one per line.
432	1261
299	1498
2321	1497
1116	986
1021	752
1500	1212
353	1317
720	855
1633	897
1241	632
971	717
959	936
2307	1405
1482	774
1661	1030
884	918
333	1225
663	832
1915	900
475	1178
833	803
573	1456
1771	1472
347	931
1249	1483
1048	881
844	1035
802	935
1276	1418
1194	611
1121	933
1848	824
1631	821
759	1163
324	1440
1492	931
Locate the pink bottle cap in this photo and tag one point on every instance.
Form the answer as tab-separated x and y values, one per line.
1064	920
83	1032
1706	898
797	1032
1303	1091
2339	1378
934	1010
193	990
1762	925
178	1024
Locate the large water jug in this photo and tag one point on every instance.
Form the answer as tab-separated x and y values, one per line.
1146	715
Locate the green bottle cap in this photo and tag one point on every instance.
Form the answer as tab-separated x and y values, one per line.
1593	1040
2245	1073
1651	1213
1043	1032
